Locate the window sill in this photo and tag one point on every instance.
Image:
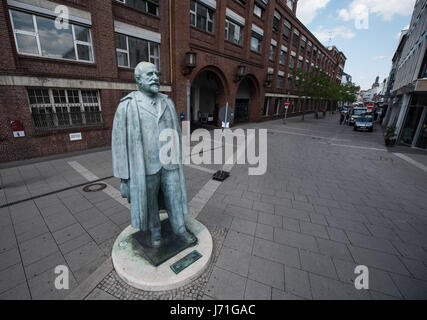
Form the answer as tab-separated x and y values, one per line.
203	31
55	60
256	52
71	129
240	46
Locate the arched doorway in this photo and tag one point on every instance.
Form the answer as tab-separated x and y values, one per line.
245	97
207	95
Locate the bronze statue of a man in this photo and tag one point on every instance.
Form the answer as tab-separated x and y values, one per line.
148	183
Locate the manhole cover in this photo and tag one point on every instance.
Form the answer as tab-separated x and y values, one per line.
95	187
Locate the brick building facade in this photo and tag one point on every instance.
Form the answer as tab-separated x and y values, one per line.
58	79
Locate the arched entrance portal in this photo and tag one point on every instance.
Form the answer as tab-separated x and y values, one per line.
244	99
207	93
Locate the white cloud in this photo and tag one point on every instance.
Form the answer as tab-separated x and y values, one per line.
308	9
380	57
386	9
324	35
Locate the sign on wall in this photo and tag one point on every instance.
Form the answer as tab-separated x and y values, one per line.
75	136
17	128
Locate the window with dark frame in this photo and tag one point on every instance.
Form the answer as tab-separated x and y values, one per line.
272	52
64	108
287	30
256	42
279	82
291	62
149	6
259	8
276	21
295	39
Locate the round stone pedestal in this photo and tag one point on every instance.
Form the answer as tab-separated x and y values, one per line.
139	273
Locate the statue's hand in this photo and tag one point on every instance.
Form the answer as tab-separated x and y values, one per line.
124	189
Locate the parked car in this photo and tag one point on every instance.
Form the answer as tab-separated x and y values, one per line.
364	122
356	113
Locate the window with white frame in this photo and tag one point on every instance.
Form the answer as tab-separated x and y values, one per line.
309	48
201	16
289	82
37	36
150	6
64	108
290	4
131	51
233	32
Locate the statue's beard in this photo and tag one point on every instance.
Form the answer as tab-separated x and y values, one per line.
150	88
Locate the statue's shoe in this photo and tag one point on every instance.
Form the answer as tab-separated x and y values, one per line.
187	237
156	240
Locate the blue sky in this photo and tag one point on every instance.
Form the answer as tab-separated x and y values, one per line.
367	31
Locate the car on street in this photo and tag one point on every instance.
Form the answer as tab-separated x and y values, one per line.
356	113
364	122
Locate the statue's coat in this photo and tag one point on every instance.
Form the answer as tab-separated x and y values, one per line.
128	159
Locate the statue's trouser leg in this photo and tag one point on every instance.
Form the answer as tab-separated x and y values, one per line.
153	186
171	188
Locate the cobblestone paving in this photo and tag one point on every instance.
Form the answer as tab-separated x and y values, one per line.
116	288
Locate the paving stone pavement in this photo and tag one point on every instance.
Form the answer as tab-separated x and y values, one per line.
332	199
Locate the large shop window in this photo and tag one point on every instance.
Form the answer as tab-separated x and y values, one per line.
201	16
266	106
131	51
233	32
38	36
150	6
53	109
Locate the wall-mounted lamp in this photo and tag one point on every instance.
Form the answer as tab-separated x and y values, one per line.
241	71
190	62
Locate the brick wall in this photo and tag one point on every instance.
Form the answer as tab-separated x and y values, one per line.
213	54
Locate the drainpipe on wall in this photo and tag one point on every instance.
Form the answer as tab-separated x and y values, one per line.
170	42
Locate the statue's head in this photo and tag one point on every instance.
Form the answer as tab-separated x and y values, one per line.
147	78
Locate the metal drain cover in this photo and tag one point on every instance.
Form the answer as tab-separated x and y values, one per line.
96	187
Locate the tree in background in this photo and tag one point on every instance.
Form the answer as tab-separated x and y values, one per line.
318	86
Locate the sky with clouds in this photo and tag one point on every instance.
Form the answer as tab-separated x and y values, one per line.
367	31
